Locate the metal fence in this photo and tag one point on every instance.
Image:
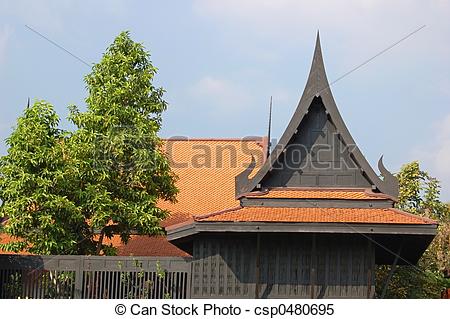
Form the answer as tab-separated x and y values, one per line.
94	277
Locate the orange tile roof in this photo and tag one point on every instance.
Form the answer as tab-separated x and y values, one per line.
140	245
315	215
206	169
4	239
318	193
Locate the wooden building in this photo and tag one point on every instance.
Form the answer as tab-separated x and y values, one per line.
312	221
309	220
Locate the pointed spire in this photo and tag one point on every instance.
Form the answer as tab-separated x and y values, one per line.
317	79
317	85
318	42
317	63
269	144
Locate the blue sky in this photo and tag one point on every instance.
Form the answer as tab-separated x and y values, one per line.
220	61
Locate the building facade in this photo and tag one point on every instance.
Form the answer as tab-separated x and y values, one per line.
312	221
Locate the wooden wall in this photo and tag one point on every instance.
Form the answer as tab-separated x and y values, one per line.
290	266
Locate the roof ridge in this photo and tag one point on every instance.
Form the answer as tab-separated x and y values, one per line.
177	225
254	193
371	213
200	217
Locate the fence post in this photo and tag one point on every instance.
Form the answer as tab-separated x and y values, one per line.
189	279
79	277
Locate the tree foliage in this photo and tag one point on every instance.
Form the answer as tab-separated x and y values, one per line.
33	187
123	169
419	194
103	179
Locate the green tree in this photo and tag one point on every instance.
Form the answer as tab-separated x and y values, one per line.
64	193
33	187
419	194
122	169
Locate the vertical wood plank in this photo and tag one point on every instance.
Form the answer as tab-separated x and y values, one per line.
242	275
276	275
78	277
233	268
257	265
313	266
289	282
208	261
350	273
327	252
218	262
338	272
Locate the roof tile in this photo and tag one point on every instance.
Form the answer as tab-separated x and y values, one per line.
206	169
314	215
140	245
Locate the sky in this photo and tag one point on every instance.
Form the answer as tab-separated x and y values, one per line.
220	61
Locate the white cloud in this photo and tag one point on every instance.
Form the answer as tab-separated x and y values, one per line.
364	26
269	17
269	14
220	94
5	34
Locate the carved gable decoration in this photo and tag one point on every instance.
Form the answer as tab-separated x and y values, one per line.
317	150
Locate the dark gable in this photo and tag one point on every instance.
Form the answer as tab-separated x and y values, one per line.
317	150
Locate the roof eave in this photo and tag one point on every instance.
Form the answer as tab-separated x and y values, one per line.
270	227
